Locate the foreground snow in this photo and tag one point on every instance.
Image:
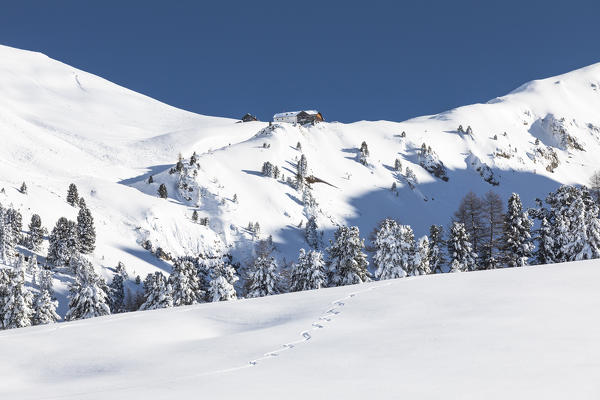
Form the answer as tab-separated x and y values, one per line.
515	333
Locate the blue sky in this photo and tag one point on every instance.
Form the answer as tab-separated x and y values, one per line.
352	60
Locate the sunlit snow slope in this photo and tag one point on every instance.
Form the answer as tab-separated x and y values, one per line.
60	125
519	333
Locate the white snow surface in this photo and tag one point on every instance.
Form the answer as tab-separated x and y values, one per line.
60	125
519	333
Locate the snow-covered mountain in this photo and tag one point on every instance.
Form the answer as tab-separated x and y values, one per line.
516	333
60	125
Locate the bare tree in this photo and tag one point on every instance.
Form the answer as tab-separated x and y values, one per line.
493	216
470	213
595	185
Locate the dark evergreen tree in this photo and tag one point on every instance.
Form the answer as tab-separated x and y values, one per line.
363	154
117	295
86	232
347	264
195	216
23	188
150	179
72	195
63	242
398	165
162	191
267	169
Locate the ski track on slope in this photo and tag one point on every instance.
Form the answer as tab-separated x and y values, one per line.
321	322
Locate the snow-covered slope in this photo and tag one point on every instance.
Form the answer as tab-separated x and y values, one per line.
60	125
544	134
517	333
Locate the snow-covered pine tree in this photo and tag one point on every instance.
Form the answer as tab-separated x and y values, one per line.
422	262
408	247
7	240
516	237
20	263
72	195
15	220
44	303
311	232
86	232
363	154
302	167
309	272
221	280
263	278
4	281
185	283
544	254
162	191
157	292
63	242
18	304
388	257
87	298
117	295
347	264
121	270
195	216
583	226
301	172
36	233
34	269
23	188
460	249
221	290
437	258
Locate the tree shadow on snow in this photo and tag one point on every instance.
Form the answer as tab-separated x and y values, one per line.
153	170
150	258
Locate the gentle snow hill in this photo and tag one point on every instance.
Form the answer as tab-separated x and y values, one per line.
517	333
60	125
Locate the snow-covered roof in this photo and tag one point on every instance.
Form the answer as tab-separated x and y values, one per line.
294	113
